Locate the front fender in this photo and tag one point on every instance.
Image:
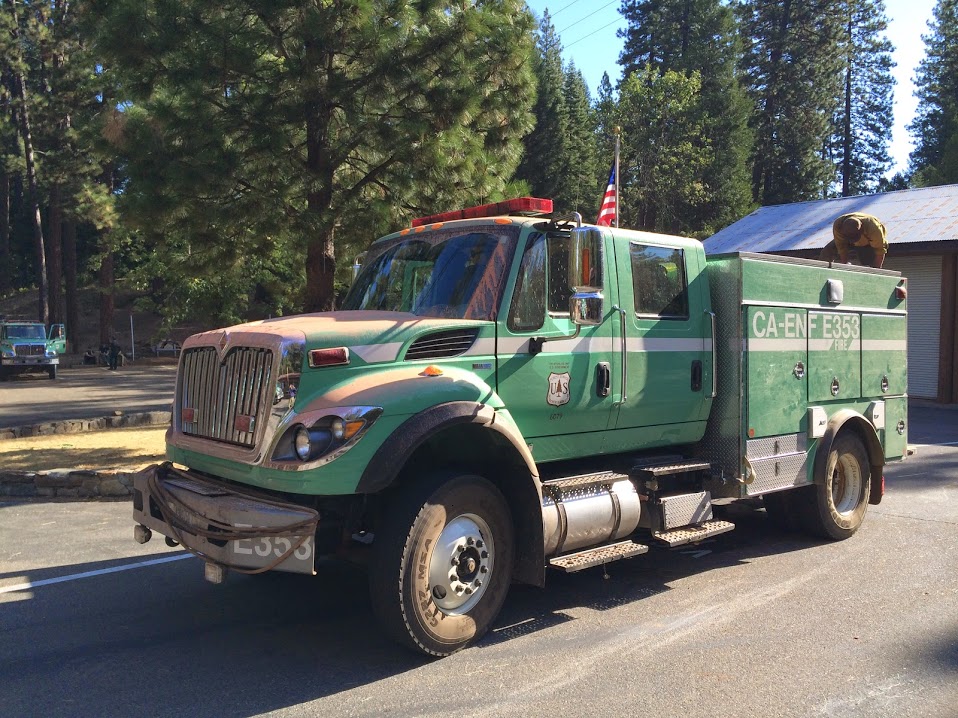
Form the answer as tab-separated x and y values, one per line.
848	419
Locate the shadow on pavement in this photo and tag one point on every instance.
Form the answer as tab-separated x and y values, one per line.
159	640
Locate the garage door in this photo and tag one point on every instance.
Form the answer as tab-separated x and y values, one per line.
924	321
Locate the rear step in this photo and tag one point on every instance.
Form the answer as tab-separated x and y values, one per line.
693	534
597	556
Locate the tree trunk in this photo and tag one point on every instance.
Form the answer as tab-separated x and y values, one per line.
847	125
107	304
55	256
20	89
72	313
6	280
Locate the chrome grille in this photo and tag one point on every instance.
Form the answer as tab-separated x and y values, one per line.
225	397
442	345
30	350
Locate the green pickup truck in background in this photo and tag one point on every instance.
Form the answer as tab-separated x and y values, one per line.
27	346
507	393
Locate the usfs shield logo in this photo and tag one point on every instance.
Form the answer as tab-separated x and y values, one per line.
558	389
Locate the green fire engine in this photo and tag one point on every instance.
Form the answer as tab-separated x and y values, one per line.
507	392
27	346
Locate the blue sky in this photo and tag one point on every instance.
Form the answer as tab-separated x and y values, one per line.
588	32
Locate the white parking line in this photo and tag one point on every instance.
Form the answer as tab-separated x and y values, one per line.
90	574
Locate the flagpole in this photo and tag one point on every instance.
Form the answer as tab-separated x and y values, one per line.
618	200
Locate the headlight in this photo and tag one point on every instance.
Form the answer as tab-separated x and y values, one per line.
51	352
322	437
7	352
301	443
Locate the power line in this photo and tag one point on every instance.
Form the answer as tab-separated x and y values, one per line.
565	7
614	22
594	12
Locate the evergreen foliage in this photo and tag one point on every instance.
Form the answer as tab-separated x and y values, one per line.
863	122
269	129
689	36
664	150
934	160
792	71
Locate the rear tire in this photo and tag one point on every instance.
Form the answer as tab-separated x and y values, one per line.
442	563
835	508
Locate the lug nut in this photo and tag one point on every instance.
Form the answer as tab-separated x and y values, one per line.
468	591
478	583
439	593
484	554
470	541
478	544
483	569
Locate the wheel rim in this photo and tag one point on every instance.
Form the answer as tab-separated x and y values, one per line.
846	485
461	564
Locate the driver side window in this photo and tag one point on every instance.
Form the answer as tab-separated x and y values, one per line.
528	309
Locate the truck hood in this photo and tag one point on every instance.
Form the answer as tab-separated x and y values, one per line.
364	332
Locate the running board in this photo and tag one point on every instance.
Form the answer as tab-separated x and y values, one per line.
597	556
693	534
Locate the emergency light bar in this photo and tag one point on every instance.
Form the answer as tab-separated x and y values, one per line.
529	206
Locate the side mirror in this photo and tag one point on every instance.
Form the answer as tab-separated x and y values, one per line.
586	305
358	264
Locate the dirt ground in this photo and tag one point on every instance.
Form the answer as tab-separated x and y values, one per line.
113	449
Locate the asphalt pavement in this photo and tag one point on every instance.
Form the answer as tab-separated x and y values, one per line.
757	622
85	393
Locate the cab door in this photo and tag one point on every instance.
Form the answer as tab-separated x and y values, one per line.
664	308
58	335
560	396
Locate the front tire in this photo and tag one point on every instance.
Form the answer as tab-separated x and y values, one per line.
835	508
442	563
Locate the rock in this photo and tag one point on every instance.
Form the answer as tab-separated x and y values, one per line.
112	487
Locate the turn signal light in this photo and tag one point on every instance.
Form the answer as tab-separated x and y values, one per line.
328	357
432	370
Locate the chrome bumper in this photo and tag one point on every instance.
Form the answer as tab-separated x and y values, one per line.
259	533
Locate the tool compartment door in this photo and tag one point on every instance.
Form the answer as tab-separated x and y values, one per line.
834	356
884	355
776	370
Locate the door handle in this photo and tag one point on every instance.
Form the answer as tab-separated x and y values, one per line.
603	378
696	375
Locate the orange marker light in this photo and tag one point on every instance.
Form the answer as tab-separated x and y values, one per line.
431	370
502	220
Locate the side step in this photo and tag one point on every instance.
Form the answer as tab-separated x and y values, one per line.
581	481
597	556
693	534
671	465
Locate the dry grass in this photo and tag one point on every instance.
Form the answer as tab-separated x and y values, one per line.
116	448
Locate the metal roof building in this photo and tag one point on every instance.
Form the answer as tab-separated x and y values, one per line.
922	229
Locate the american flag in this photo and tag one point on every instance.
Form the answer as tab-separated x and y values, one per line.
608	209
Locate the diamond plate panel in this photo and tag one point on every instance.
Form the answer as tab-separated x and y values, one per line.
776	446
721	445
686	509
597	556
778	472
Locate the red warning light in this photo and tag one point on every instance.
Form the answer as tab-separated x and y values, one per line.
531	206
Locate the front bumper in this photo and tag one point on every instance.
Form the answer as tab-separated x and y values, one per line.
258	533
37	361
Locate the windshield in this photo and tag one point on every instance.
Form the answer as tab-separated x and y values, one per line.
24	331
437	274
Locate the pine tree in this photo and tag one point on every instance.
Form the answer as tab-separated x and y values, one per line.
545	148
578	189
690	36
863	122
272	129
664	149
792	69
935	127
